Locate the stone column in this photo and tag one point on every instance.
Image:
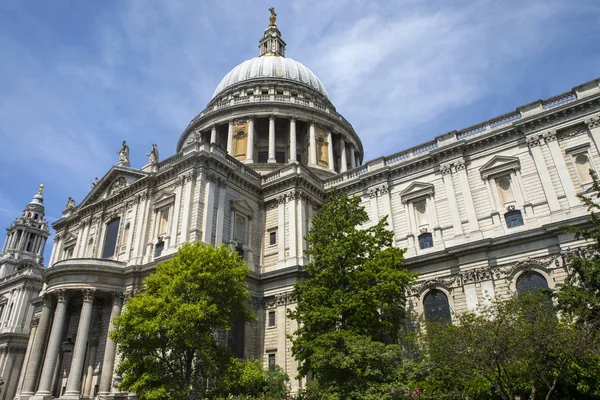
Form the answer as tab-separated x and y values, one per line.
230	138
220	214
312	145
281	230
343	159
330	162
271	139
352	157
89	375
209	205
461	170
37	348
540	164
213	134
74	379
26	358
250	144
293	149
108	364
53	347
561	168
446	170
292	212
593	124
187	207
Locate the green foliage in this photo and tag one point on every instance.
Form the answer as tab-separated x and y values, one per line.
168	333
580	295
246	379
351	304
514	346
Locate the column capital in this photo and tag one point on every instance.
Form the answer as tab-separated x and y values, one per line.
231	121
88	294
251	117
61	295
293	118
34	322
46	300
271	116
117	297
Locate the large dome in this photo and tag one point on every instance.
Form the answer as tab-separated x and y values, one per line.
271	67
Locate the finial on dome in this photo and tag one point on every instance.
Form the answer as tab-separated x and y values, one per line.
41	189
271	44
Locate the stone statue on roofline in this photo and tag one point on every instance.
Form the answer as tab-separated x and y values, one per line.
124	155
153	155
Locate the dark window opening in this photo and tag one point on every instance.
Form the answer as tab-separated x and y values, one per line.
425	240
531	281
272	238
271	318
436	306
271	362
30	243
513	219
240	250
158	249
263	156
280	157
110	238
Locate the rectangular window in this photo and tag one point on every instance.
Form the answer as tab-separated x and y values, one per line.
240	229
425	241
110	238
513	219
158	249
163	221
263	156
271	362
280	157
271	318
272	238
68	253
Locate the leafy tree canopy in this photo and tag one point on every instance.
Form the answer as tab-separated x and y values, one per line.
169	333
352	303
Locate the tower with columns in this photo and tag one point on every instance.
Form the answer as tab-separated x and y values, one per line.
479	211
21	268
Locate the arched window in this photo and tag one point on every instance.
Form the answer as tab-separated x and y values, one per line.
110	238
436	306
531	281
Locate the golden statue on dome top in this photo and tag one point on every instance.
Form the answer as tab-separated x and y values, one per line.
41	189
273	17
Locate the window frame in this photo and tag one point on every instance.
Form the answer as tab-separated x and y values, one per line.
274	320
106	233
430	292
573	153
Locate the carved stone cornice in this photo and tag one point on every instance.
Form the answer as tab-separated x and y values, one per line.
593	122
280	300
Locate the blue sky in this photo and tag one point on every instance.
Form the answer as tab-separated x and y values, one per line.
78	77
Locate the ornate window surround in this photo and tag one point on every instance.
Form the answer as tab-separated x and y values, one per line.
163	203
572	153
242	208
415	192
498	167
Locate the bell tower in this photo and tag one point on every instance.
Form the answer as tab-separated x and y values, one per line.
26	237
271	44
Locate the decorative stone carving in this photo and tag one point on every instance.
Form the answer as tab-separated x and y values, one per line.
153	155
70	203
119	184
88	294
124	155
280	299
95	182
195	137
593	122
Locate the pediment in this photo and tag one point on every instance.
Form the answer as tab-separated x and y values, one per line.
164	198
498	165
115	180
416	190
243	207
70	239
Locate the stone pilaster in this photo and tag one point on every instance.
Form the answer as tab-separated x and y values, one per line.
108	363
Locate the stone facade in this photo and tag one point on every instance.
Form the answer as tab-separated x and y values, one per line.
476	209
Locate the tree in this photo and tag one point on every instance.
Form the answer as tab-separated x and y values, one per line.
351	306
169	333
579	296
514	346
248	379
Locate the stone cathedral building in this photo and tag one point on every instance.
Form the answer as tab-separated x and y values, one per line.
479	211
